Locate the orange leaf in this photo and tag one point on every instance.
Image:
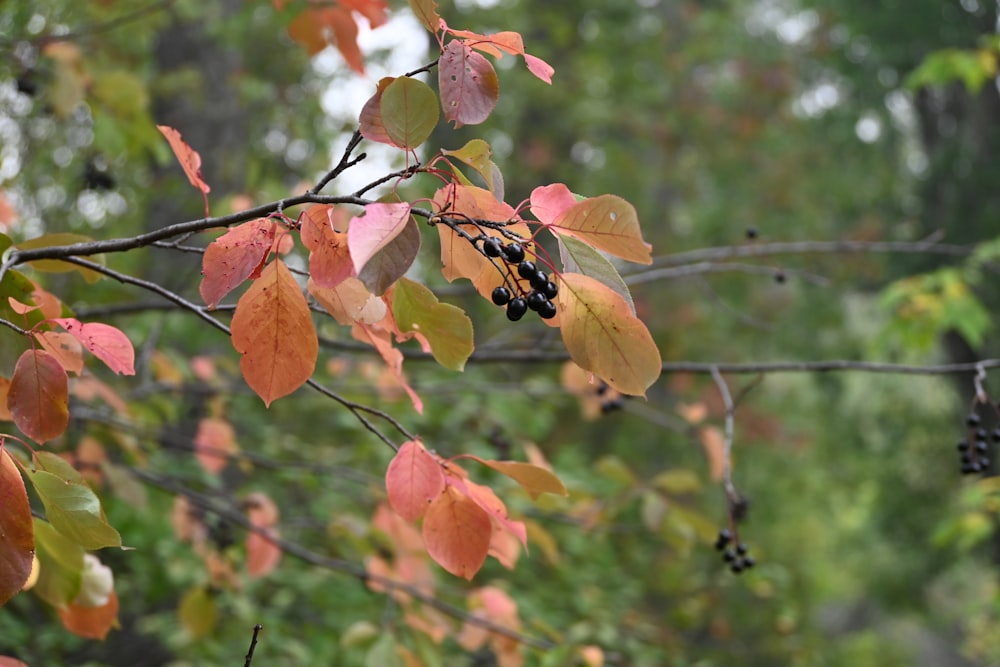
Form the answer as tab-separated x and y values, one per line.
10	662
64	347
714	444
17	537
261	510
404	537
4	391
214	444
273	330
104	341
263	555
491	504
349	302
90	622
329	256
457	533
604	337
189	158
238	254
381	340
39	396
426	13
607	222
413	480
536	480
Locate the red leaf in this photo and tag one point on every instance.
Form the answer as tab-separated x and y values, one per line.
104	341
345	37
371	124
90	622
413	480
17	537
214	444
329	256
39	396
491	504
233	257
10	662
457	532
506	42
189	158
548	202
468	84
273	330
370	233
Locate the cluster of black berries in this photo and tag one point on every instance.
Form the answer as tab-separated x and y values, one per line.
611	401
542	290
736	557
975	447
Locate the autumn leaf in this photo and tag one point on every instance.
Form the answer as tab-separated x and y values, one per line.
506	41
214	444
536	480
468	84
64	347
329	255
188	158
413	480
371	232
714	443
10	662
446	328
409	111
349	302
17	541
57	265
263	555
273	330
104	341
90	622
234	257
580	257
456	532
604	337
606	222
426	13
38	397
370	122
392	260
198	612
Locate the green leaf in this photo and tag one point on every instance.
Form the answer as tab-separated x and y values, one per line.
59	266
409	111
198	612
60	565
447	328
580	257
71	506
383	653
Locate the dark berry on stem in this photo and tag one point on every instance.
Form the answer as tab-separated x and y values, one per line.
729	555
551	289
501	296
751	233
491	247
984	462
982	446
996	435
516	309
741	549
526	269
514	253
737	567
748	562
725	537
547	310
972	420
536	299
539	280
981	434
963	445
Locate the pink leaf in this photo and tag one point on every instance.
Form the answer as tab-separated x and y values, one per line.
380	224
38	397
468	84
105	342
549	201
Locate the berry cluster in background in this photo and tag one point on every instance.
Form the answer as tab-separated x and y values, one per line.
528	287
736	556
974	448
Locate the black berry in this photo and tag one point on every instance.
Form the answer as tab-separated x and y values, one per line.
725	537
535	300
748	562
780	277
741	549
729	555
995	435
513	253
982	446
539	280
737	566
972	420
547	310
526	269
551	289
516	309
491	247
963	445
751	233
612	405
501	296
981	434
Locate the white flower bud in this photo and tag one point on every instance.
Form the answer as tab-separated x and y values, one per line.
96	584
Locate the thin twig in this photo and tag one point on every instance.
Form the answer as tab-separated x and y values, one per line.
345	163
253	644
727	401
